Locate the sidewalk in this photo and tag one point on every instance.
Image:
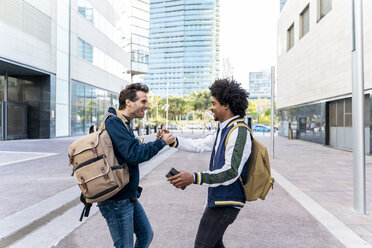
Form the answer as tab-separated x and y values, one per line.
310	206
279	221
325	174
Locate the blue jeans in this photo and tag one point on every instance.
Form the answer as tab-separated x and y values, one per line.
125	217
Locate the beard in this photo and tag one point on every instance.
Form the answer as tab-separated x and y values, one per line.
138	113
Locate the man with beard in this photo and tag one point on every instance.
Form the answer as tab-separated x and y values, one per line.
123	212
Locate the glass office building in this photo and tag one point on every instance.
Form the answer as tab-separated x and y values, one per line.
62	64
184	46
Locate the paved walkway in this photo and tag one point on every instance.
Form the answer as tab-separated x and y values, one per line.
325	174
310	206
279	221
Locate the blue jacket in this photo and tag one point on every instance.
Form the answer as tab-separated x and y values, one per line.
128	148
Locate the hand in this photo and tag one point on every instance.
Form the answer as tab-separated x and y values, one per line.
168	138
182	179
160	133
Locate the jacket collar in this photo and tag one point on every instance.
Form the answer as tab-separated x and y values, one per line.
123	117
228	123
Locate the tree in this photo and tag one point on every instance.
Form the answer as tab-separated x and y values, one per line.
252	110
153	102
201	100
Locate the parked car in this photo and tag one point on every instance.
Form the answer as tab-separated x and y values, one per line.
275	127
261	128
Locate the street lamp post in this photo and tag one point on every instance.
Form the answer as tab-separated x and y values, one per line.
359	177
272	111
166	117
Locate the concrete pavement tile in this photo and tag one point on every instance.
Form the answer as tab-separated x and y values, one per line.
368	227
356	219
361	230
367	238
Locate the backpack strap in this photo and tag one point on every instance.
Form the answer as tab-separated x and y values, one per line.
235	127
122	118
228	135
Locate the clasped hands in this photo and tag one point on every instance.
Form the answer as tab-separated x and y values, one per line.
182	179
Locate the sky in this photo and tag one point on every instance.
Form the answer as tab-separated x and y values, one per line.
248	35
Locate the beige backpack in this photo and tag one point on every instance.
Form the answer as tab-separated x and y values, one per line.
95	166
256	175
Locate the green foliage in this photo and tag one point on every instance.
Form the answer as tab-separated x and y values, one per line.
201	100
252	110
260	109
193	106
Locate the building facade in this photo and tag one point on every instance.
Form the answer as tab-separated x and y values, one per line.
137	14
314	72
62	64
184	46
260	84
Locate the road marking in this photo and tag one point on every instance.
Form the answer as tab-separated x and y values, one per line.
51	233
18	220
342	232
34	155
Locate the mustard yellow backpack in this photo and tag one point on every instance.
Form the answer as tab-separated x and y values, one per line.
256	175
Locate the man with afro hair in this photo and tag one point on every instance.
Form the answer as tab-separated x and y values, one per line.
225	192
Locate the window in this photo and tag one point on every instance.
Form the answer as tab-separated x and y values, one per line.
85	50
81	48
88	105
290	33
304	21
324	6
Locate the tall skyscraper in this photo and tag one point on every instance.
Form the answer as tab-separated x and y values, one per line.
184	46
260	84
282	3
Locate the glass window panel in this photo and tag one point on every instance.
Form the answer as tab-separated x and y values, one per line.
88	52
115	100
73	119
340	113
81	7
348	113
348	119
89	12
94	99
15	90
348	105
88	106
290	37
73	93
304	21
325	7
101	105
80	120
108	100
2	86
94	116
80	94
366	111
81	48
